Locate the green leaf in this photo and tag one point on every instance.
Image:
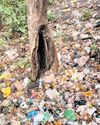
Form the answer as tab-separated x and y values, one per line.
21	63
13	14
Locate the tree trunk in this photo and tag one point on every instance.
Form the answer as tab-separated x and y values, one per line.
43	52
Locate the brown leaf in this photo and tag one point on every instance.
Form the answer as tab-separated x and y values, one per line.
88	93
57	122
18	85
83	60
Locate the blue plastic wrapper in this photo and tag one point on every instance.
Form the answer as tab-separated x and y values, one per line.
32	113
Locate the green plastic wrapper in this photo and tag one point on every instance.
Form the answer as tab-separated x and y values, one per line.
70	115
45	118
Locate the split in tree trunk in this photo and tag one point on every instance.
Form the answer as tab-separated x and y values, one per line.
43	53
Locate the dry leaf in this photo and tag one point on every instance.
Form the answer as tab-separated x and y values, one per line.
5	76
18	85
74	1
57	123
88	93
83	60
48	78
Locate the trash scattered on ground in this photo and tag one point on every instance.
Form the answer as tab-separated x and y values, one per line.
71	95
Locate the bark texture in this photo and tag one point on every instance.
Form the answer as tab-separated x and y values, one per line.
43	52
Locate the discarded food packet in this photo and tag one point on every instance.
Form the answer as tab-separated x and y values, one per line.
32	114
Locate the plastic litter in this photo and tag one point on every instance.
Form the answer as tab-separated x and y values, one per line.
70	115
70	96
79	102
23	105
2	119
40	83
6	91
30	101
52	93
39	117
91	110
25	82
97	24
32	113
98	120
73	123
46	117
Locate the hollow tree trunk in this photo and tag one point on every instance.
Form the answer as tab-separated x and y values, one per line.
43	52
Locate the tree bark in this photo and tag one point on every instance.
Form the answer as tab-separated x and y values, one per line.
42	50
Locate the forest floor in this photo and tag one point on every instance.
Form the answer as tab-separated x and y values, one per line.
69	97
